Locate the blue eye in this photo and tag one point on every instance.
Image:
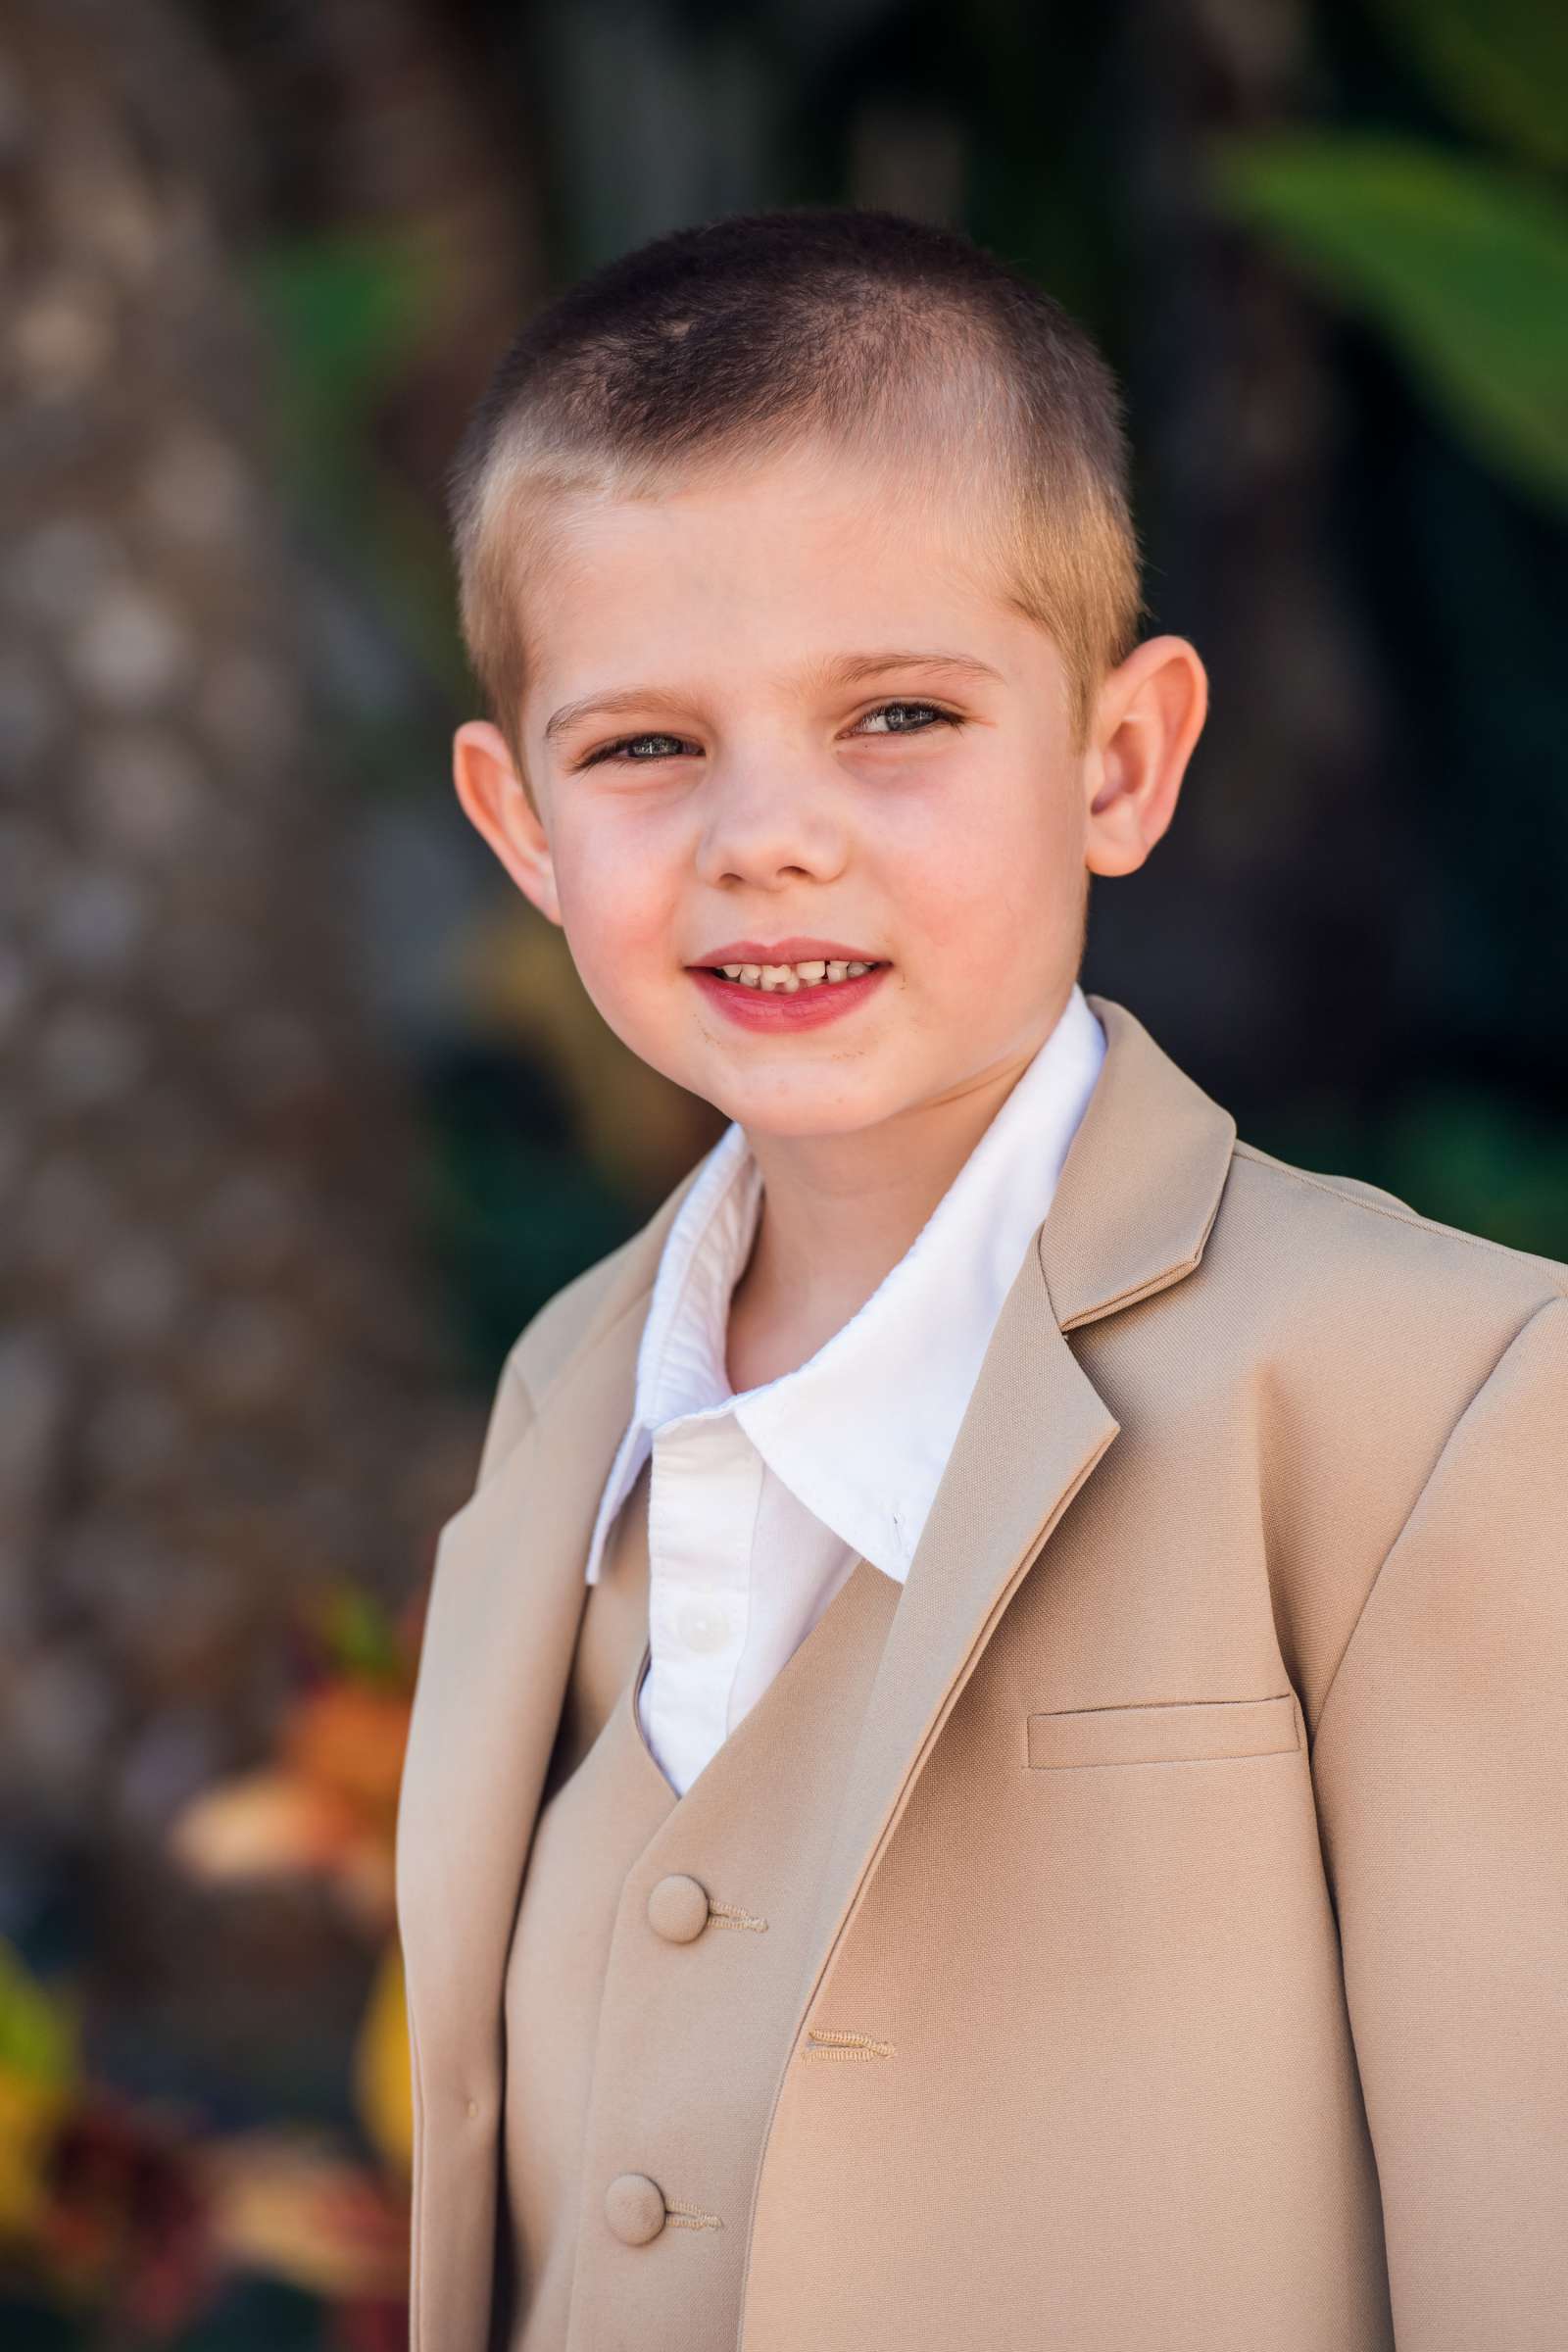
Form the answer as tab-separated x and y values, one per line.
624	743
944	719
625	748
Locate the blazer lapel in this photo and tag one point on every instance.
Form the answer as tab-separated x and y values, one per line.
1137	1195
506	1601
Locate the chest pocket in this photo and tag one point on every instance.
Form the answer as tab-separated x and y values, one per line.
1187	1730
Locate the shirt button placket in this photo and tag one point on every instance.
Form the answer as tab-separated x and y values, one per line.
703	1626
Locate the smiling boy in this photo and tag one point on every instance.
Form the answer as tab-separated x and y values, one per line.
988	1765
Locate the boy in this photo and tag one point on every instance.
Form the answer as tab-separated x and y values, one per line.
989	1759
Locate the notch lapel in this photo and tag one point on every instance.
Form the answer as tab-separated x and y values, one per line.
1133	1207
505	1599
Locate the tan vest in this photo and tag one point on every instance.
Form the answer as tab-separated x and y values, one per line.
654	1932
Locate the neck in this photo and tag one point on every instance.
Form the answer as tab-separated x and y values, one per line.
839	1212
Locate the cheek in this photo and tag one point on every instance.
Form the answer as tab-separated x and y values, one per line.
615	906
996	883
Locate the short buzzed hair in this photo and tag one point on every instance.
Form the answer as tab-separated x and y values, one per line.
899	342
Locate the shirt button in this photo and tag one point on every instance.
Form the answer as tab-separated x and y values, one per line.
678	1908
703	1624
634	2208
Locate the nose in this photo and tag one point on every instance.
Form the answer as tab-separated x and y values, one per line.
769	822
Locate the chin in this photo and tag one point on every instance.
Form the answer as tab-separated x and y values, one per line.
797	1112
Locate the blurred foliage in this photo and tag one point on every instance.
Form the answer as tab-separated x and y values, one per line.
131	2213
101	2209
39	2068
1500	66
1474	1161
346	312
1461	260
1458	259
358	1637
1463	263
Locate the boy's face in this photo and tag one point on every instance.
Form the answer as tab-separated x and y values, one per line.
827	746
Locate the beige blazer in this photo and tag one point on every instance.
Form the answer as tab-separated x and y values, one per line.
1203	1864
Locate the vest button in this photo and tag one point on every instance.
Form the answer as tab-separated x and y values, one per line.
634	2208
677	1908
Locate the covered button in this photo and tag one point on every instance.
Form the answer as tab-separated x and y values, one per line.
634	2208
677	1907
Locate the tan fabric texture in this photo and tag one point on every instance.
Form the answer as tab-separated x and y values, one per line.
620	2037
1189	1861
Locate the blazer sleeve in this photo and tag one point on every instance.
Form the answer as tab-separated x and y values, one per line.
1439	1761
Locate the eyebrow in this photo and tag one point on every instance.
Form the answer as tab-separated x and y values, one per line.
844	669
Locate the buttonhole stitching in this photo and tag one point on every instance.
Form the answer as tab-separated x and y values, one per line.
688	2217
822	2042
730	1915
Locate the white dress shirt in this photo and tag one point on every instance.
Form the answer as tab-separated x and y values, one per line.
760	1504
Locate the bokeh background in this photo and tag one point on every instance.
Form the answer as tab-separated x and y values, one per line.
304	1111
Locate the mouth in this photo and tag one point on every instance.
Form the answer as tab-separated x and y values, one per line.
788	966
788	983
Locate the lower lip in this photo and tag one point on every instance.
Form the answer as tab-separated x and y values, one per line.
777	1008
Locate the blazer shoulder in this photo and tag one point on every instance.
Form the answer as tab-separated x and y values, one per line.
1381	1247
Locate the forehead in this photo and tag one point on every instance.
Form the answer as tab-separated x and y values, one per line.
801	556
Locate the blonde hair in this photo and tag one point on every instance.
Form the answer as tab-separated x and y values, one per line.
893	341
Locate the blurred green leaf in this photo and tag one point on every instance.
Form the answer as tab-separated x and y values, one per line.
38	2030
1463	264
347	315
1499	65
360	1635
342	309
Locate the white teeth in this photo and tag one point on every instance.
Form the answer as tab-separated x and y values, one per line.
788	978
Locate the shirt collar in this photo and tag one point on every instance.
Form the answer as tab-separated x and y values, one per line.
861	1432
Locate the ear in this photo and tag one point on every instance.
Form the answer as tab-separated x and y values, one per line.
1149	715
496	801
